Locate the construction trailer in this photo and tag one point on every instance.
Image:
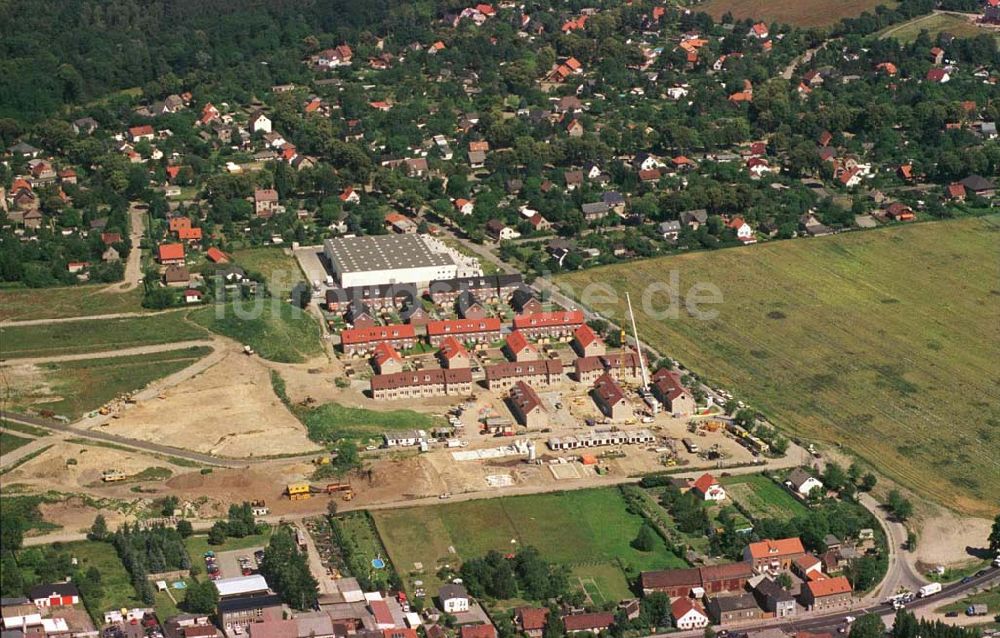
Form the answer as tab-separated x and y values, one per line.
298	491
113	476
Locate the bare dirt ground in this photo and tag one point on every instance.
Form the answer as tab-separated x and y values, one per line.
74	514
947	538
228	410
70	466
27	386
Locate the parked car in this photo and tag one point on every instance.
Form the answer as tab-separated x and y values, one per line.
951	614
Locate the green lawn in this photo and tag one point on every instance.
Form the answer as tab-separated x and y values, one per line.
360	544
762	497
933	24
332	421
882	341
281	271
73	388
118	590
21	304
23	428
277	331
25	507
990	596
588	530
10	442
96	335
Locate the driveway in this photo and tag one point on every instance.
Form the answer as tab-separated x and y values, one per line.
133	266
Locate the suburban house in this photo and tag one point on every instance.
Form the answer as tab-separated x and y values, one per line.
773	555
668	390
482	630
421	383
490	288
620	365
593	622
736	608
500	231
265	202
743	231
688	614
503	376
808	567
979	186
826	594
259	122
531	620
708	488
586	343
468	307
524	302
359	315
176	276
486	330
518	348
363	340
454	598
453	354
610	399
403	438
385	359
803	482
168	254
415	315
549	324
773	599
526	406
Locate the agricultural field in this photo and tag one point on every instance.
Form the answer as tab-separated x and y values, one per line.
281	270
802	13
21	304
332	421
73	388
96	335
762	497
959	25
276	330
589	531
880	341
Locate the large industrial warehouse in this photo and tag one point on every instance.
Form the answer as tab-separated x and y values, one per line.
374	260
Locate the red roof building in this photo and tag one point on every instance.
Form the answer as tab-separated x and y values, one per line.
708	487
363	340
478	330
549	324
453	354
774	555
587	343
478	631
216	256
518	348
171	253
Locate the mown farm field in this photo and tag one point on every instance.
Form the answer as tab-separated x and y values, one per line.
957	24
589	531
803	13
882	341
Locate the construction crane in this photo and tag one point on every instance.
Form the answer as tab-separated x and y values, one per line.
621	358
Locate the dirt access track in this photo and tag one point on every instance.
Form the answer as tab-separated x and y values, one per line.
228	410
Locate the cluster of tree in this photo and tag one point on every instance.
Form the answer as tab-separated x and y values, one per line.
239	524
149	551
847	482
525	574
907	625
747	419
345	459
287	570
687	509
900	506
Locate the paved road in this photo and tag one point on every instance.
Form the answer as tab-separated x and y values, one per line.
901	573
803	59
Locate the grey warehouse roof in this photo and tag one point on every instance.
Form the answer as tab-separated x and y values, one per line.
382	252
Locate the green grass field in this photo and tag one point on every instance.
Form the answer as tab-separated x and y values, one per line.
762	497
72	388
96	335
21	304
277	331
803	13
282	271
883	341
587	530
197	545
332	421
991	597
118	590
10	442
935	23
25	507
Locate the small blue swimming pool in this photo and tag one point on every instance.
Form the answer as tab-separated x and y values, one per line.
378	563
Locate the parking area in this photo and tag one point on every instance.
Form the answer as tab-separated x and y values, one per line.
236	562
311	260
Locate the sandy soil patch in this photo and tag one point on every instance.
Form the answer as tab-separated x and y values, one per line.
74	515
28	387
949	539
228	410
68	466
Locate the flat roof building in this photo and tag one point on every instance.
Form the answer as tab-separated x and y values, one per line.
373	260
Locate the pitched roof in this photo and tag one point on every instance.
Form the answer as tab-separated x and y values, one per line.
829	586
516	342
478	631
171	251
546	319
705	482
353	336
585	336
463	326
525	398
451	347
780	547
682	606
531	618
512	369
583	622
608	391
384	352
